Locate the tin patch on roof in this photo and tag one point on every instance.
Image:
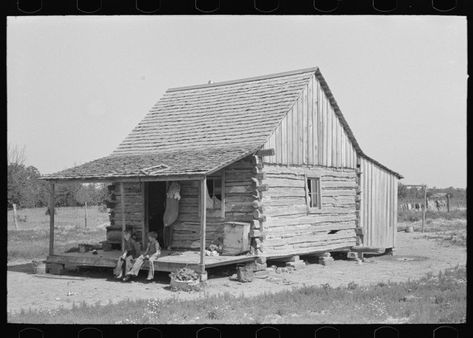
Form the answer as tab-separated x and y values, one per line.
154	169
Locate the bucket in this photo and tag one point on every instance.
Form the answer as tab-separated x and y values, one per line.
410	228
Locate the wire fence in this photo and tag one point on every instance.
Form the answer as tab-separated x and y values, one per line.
432	204
91	217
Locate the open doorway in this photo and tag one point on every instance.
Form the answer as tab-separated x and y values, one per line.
156	205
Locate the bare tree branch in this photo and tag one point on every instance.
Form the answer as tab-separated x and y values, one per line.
16	154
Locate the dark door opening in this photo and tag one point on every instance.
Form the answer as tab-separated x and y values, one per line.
156	207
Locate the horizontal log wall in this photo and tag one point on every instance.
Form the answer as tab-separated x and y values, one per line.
311	133
238	197
378	205
186	229
291	228
239	191
134	208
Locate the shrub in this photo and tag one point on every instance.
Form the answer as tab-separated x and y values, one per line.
184	275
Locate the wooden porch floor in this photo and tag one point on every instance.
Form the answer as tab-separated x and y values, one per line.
168	261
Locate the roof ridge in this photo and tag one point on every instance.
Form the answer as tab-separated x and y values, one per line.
248	79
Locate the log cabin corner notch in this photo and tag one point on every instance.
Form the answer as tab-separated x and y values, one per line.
274	152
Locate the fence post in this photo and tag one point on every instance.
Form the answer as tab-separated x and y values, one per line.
448	202
425	207
15	216
86	214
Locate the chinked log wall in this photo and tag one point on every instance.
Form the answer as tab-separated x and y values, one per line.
238	198
134	210
290	228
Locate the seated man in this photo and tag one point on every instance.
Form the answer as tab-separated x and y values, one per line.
131	250
151	254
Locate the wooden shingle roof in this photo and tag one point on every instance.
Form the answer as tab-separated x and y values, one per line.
169	163
197	130
242	113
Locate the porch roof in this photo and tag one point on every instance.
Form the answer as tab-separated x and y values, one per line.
184	162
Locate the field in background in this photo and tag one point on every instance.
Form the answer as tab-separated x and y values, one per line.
448	228
414	216
433	299
31	240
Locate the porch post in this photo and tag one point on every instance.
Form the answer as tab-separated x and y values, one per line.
52	201
122	204
203	220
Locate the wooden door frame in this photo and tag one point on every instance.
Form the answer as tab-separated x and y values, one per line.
144	233
145	191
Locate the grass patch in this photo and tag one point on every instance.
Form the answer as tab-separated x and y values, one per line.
447	232
31	240
432	299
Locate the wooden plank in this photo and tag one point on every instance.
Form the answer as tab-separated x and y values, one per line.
310	122
167	262
272	144
129	179
339	144
123	214
300	137
288	251
317	155
331	135
222	205
144	232
52	202
284	141
327	134
203	210
265	152
323	129
278	145
289	149
295	145
304	125
394	209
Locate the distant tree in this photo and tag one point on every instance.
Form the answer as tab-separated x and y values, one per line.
100	193
86	193
23	187
66	193
15	155
402	191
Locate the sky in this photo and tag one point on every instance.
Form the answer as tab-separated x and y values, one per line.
76	86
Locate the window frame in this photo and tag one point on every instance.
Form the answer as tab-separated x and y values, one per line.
220	212
214	180
308	180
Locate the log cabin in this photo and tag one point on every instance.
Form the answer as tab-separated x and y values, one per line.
268	165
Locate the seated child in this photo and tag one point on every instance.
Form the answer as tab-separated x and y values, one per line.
151	254
131	250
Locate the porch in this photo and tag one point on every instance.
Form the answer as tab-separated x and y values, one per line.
168	261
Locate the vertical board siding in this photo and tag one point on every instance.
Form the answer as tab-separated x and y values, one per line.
310	124
311	133
378	214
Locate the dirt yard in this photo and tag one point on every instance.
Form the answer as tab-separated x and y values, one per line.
416	255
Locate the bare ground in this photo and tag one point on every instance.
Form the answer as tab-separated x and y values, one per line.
416	255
